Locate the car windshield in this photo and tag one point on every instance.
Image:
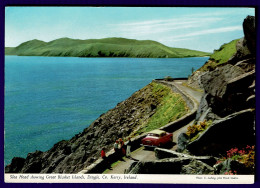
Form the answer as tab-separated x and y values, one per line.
153	134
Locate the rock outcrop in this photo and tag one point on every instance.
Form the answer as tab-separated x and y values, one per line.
228	88
246	47
194	80
235	130
229	100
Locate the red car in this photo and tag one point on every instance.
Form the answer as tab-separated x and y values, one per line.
157	138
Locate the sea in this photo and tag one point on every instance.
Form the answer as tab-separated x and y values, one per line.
49	99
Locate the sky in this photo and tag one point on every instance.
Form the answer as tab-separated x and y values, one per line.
203	29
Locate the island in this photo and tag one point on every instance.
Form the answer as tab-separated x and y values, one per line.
107	47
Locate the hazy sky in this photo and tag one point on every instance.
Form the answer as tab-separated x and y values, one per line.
202	29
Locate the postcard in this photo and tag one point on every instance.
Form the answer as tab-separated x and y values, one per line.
129	94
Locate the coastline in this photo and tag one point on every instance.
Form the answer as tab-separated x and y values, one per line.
88	135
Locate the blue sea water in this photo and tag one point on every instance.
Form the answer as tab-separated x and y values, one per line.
48	99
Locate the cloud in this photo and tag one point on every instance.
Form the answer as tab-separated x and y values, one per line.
177	28
148	27
205	32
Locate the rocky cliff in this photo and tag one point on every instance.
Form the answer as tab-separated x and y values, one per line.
71	156
229	99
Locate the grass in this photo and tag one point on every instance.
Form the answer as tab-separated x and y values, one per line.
108	47
220	56
171	108
225	52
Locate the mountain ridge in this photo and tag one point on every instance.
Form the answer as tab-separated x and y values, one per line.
106	47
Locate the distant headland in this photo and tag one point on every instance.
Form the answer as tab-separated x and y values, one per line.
107	47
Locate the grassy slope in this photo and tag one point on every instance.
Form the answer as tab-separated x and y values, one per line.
220	56
108	47
172	107
225	52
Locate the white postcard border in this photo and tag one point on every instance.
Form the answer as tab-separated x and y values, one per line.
129	178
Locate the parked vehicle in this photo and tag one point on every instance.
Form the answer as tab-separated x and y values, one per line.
157	138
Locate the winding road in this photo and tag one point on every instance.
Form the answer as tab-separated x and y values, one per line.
147	155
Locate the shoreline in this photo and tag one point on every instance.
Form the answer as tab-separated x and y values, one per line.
111	57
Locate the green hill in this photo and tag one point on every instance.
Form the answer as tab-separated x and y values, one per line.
220	56
225	52
108	47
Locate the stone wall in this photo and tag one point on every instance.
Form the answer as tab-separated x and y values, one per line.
161	153
170	166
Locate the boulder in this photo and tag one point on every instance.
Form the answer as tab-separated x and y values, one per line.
215	82
246	47
242	51
247	65
235	130
250	33
227	89
197	167
204	111
238	90
182	142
